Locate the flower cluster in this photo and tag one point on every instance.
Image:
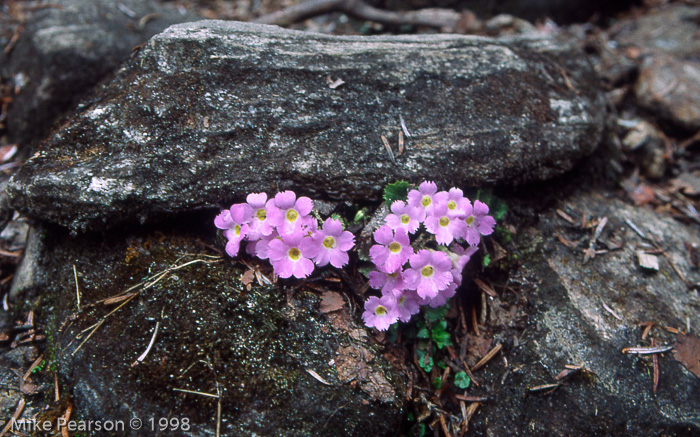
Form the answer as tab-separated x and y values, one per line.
409	278
282	230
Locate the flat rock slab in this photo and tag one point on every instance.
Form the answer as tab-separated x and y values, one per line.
585	314
210	111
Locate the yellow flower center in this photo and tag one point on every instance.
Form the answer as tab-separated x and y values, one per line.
393	275
394	247
405	219
261	214
401	300
237	230
470	220
444	221
380	311
294	254
451	204
329	242
292	215
426	201
427	271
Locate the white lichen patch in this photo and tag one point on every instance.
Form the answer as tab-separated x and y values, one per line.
568	112
98	112
110	187
137	136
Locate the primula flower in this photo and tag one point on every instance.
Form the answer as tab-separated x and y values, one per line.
461	256
287	213
259	248
478	223
405	216
444	226
234	221
429	273
426	197
387	281
331	243
289	257
442	296
456	203
259	224
380	312
407	304
393	250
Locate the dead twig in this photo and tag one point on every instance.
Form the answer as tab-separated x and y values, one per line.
647	350
492	353
435	18
591	252
148	349
15	416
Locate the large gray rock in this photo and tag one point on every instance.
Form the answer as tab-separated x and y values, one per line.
281	366
210	111
585	315
667	48
65	48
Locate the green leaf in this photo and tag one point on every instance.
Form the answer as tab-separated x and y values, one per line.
396	191
462	380
441	364
425	361
497	207
432	315
423	333
437	383
440	336
487	260
361	215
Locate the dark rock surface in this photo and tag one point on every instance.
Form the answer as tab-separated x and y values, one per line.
65	48
569	324
209	111
255	346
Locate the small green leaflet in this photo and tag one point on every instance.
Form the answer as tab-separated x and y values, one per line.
497	207
437	383
396	191
440	336
425	361
487	260
432	315
462	380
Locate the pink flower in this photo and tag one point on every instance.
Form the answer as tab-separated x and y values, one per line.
443	296
260	248
393	250
429	273
387	281
288	256
405	216
234	222
461	256
478	223
444	226
380	312
407	304
259	224
456	203
426	197
287	213
332	244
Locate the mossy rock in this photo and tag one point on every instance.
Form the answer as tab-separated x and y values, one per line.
257	346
